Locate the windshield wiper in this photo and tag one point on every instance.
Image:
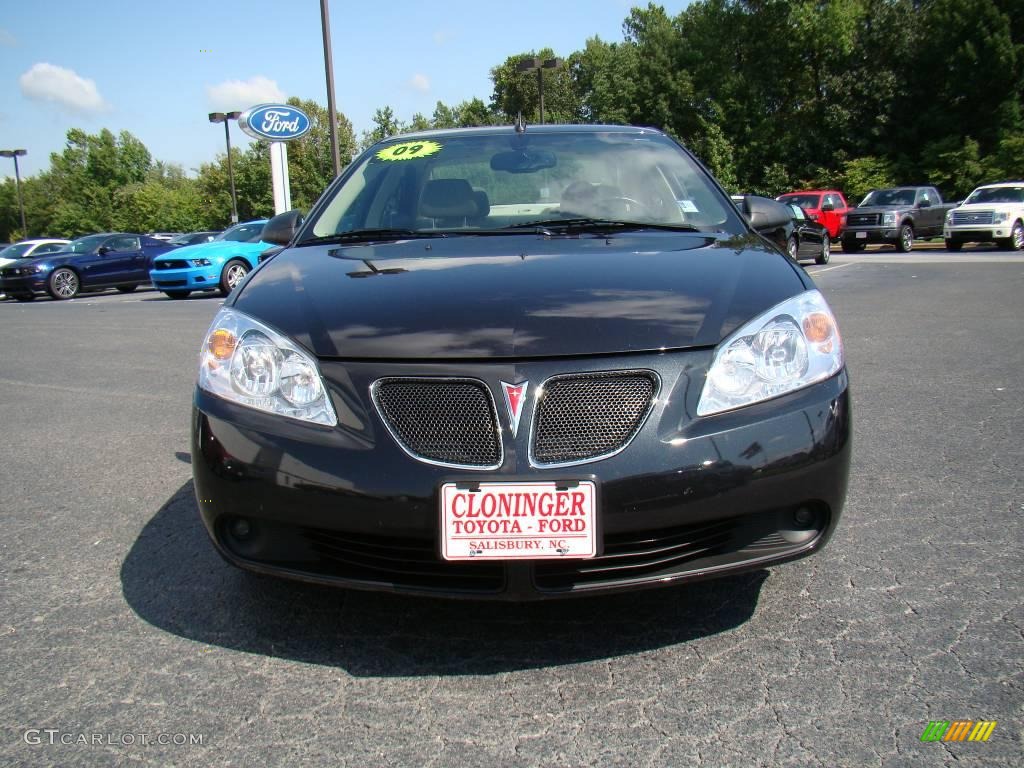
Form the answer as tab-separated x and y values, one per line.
546	226
364	235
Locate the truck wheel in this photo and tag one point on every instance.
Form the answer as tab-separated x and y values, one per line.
906	242
852	246
954	245
1015	242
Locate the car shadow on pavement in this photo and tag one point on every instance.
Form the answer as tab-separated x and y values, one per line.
173	579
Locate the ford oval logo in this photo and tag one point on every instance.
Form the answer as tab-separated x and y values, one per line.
275	122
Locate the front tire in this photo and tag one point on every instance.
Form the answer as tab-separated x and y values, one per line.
826	251
63	284
954	245
1015	242
177	294
905	244
234	272
126	288
793	248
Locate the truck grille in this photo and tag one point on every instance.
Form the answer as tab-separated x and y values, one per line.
972	217
863	219
445	421
582	417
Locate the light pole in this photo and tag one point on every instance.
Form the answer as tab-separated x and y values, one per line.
224	117
16	153
529	64
332	115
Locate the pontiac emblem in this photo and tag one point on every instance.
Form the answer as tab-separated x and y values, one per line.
515	396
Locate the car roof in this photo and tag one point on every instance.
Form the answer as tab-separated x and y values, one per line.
42	240
998	184
500	130
812	192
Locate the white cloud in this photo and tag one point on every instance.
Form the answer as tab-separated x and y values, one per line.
241	94
7	39
65	87
420	82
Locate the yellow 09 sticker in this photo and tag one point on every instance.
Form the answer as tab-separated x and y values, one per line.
409	150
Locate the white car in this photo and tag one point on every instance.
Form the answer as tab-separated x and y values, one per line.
994	213
30	249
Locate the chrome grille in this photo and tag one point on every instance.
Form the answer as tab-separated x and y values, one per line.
586	417
972	217
444	421
863	219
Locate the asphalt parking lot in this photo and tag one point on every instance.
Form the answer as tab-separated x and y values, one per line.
120	626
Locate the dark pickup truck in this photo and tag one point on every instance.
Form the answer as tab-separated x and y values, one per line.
895	216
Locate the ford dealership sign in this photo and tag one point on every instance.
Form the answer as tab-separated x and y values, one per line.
274	122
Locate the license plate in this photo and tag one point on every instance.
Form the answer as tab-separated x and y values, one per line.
518	521
862	234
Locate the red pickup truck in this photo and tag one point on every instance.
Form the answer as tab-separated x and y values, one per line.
826	206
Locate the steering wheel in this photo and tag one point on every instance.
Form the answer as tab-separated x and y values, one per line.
629	205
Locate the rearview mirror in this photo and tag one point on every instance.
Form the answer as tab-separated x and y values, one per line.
523	161
282	228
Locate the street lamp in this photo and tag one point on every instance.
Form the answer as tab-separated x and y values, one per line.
16	153
530	64
224	117
325	25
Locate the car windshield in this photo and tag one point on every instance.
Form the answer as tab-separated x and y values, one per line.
15	251
490	182
86	244
996	195
242	233
804	201
889	197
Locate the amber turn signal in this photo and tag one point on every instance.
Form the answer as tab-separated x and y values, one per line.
817	327
222	344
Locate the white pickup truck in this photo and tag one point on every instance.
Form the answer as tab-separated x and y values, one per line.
994	213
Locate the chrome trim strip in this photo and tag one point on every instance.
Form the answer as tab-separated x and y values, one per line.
584	375
434	379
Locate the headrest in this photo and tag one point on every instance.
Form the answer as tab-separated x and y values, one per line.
483	204
448	198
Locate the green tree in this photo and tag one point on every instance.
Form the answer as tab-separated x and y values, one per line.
518	92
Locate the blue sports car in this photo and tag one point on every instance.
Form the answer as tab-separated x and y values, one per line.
218	265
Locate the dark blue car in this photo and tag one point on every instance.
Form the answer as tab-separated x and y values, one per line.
111	260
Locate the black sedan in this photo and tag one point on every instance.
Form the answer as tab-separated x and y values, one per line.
521	362
798	236
111	260
812	239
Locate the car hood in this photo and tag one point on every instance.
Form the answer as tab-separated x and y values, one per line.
880	208
967	207
518	296
212	250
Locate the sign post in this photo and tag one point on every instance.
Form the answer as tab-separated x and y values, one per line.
277	123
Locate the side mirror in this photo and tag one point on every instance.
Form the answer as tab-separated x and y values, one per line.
926	203
103	250
270	253
282	228
764	214
827	207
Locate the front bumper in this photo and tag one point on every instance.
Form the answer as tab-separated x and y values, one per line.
978	234
186	279
14	286
871	235
689	498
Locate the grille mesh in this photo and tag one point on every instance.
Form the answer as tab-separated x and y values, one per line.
972	217
584	417
451	422
863	219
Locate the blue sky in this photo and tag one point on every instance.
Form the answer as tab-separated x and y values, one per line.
157	68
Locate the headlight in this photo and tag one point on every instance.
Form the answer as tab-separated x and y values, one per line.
41	268
949	216
889	219
199	262
791	346
1000	217
246	362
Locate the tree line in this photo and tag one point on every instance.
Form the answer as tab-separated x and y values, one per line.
772	95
